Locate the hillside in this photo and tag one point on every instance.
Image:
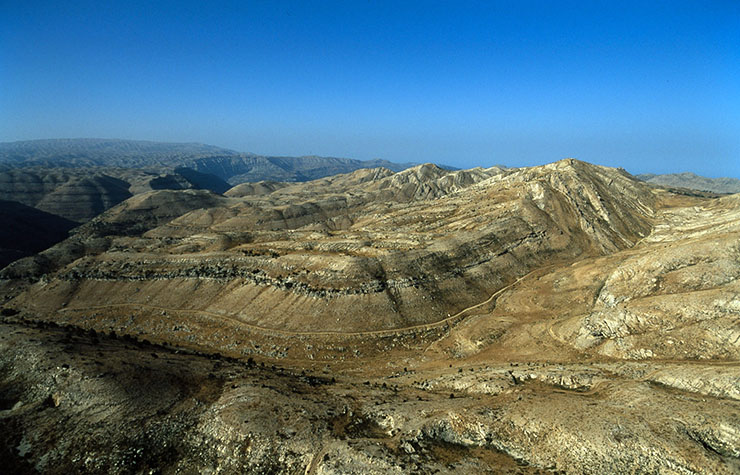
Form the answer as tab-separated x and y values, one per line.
80	178
26	231
559	318
378	250
79	194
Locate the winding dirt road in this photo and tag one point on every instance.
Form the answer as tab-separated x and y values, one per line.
256	328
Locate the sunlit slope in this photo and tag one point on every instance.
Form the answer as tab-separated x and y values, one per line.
364	252
674	296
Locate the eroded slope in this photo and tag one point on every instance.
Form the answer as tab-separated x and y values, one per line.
351	253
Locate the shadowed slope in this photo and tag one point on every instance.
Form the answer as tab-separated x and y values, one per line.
26	231
79	194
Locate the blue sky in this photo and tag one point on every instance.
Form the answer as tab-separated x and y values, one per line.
650	86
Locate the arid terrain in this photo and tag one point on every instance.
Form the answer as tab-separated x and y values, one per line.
560	318
694	182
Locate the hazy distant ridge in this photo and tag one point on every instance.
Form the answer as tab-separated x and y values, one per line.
694	181
232	166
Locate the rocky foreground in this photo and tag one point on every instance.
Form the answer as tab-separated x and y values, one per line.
559	318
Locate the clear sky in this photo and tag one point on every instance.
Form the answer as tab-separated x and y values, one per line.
653	86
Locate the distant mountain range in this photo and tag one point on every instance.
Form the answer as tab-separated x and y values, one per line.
229	165
694	182
78	179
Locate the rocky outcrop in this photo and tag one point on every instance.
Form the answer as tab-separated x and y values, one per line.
124	405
